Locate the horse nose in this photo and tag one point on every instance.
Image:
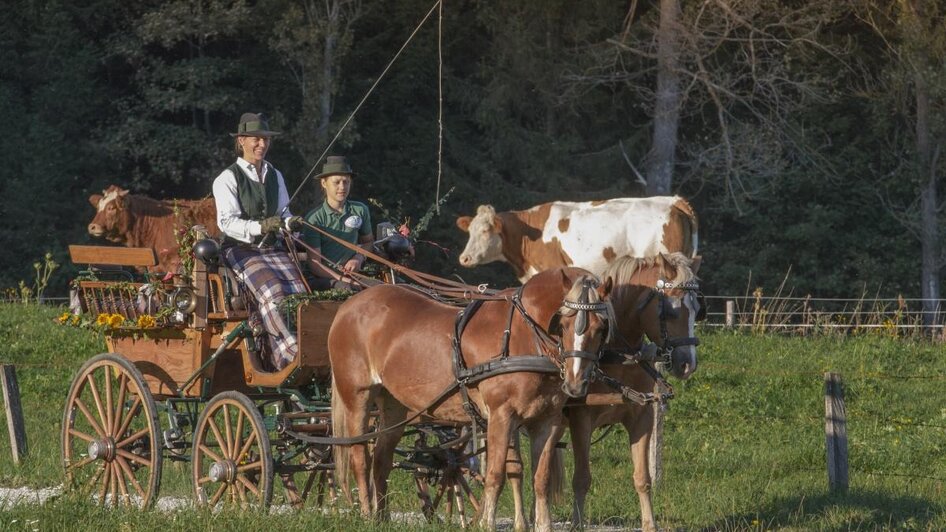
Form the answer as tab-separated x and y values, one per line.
572	392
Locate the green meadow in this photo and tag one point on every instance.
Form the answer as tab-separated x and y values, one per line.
744	442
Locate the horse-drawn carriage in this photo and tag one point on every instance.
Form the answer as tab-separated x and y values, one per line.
183	380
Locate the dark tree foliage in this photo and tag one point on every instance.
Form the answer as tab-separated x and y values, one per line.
542	100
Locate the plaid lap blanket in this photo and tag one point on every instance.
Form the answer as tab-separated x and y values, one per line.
270	276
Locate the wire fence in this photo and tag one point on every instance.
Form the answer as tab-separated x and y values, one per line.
805	315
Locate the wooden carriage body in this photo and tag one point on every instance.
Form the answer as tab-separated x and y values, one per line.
173	356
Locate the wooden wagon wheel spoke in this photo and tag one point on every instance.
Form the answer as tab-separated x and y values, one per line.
130	416
253	466
219	438
90	383
238	436
140	434
218	494
81	435
228	430
120	483
100	445
246	448
88	416
106	482
206	450
249	485
126	469
117	422
133	457
109	413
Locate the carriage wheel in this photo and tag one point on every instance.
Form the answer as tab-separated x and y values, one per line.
110	446
232	462
453	478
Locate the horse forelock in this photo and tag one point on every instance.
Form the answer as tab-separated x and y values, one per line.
674	267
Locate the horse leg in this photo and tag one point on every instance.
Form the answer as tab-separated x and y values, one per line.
391	413
514	475
579	424
639	430
544	438
357	423
498	433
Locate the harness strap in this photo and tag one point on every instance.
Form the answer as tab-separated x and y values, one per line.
459	366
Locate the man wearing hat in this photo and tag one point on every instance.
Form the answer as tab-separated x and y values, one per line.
343	218
252	205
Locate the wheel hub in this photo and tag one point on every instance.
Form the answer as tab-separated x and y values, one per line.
223	471
102	449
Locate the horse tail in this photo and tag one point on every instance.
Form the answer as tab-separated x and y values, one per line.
340	430
556	477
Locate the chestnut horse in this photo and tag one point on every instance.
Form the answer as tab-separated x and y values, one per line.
390	347
658	297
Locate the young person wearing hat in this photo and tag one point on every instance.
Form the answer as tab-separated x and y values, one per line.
343	218
252	203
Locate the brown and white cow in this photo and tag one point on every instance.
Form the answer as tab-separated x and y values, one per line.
139	221
587	234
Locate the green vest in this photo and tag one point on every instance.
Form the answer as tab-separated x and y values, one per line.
257	200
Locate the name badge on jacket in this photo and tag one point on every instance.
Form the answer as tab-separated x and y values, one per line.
353	222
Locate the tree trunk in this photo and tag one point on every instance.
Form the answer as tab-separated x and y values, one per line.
929	228
667	106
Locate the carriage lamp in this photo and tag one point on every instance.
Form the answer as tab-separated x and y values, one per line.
183	301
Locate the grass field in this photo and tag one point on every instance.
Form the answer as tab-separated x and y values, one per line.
744	441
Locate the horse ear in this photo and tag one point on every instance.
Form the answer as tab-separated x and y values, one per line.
463	223
605	289
695	264
94	199
555	325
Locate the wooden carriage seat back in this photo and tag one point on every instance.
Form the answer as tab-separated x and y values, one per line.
112	256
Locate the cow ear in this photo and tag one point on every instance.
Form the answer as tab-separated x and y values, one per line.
463	223
497	224
94	200
695	264
122	192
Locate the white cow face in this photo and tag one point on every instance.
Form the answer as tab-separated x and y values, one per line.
486	242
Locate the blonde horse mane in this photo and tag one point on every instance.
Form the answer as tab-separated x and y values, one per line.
674	267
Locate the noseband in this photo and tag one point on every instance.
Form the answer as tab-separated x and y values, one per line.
664	309
583	306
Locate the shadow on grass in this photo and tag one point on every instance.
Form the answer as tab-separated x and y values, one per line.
856	509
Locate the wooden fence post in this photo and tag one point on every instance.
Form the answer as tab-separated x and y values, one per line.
11	398
730	314
835	431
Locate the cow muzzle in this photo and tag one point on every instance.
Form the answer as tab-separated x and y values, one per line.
96	230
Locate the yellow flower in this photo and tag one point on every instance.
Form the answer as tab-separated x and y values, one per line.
76	321
64	318
115	320
146	321
102	319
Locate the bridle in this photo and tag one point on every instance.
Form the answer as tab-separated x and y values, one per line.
584	306
665	310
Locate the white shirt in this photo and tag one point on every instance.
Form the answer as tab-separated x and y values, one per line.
228	205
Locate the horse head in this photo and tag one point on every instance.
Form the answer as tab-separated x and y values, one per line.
584	323
660	297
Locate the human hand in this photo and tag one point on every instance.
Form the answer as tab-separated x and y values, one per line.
353	264
270	225
294	223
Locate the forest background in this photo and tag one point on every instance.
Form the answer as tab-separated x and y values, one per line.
807	134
